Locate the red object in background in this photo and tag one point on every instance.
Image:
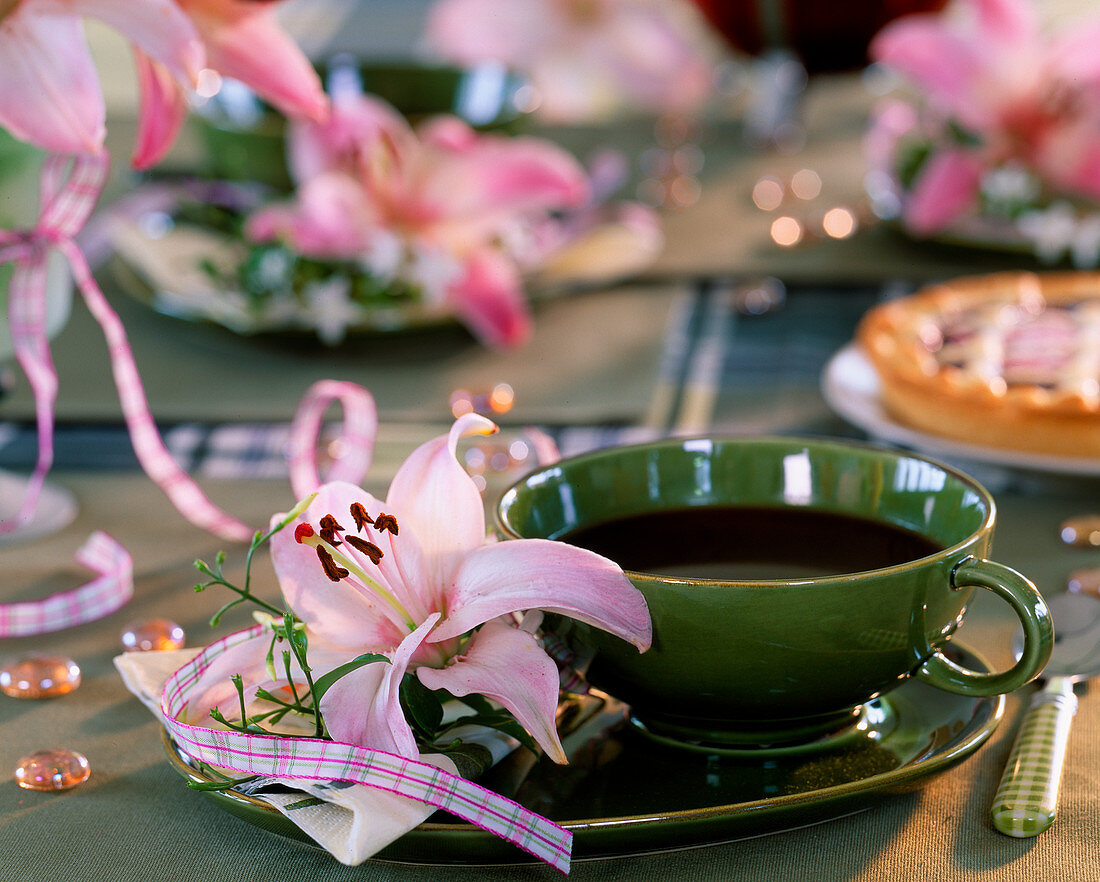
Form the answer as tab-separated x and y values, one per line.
828	35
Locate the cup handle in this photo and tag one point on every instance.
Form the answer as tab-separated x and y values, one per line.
1020	592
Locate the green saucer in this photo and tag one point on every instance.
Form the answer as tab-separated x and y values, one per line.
615	805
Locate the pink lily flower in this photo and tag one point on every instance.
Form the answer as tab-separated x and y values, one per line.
415	579
243	41
439	205
585	60
51	95
1026	96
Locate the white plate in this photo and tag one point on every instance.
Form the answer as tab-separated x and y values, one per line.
851	388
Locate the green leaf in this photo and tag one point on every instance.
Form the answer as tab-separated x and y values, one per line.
963	136
910	160
500	720
322	684
472	760
423	707
479	704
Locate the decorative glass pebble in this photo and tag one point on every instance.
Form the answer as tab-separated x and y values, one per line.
39	676
56	769
152	634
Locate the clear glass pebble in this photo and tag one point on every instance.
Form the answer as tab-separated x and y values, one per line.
55	769
39	676
152	635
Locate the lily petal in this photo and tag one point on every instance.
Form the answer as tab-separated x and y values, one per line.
1069	158
1006	22
1073	55
890	121
214	689
652	61
249	659
479	187
522	574
472	31
51	94
163	110
244	41
507	665
336	143
937	59
329	218
448	132
439	502
159	28
489	298
943	191
366	710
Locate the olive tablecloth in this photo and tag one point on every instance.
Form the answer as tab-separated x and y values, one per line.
136	819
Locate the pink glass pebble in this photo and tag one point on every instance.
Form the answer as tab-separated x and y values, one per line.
39	676
55	769
152	635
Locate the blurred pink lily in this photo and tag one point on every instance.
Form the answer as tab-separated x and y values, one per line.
414	578
439	206
584	59
1022	95
243	41
51	95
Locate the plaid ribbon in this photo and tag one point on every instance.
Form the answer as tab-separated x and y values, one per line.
314	759
112	588
353	450
68	190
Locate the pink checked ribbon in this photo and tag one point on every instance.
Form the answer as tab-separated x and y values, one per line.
69	188
112	587
68	191
354	448
314	759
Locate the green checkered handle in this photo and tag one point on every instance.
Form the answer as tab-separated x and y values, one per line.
1026	800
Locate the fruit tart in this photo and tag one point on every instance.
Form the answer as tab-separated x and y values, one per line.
1010	360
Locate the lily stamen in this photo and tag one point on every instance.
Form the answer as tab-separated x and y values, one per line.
360	516
368	548
335	562
386	522
334	572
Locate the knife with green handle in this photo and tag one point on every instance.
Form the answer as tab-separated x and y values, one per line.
1027	798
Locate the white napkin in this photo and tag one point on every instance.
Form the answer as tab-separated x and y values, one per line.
353	821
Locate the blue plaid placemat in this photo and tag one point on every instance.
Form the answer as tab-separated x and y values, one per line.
715	360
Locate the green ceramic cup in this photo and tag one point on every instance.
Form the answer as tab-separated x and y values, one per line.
785	661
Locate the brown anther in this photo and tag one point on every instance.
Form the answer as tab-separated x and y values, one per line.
328	522
360	516
329	535
302	532
385	522
368	548
334	571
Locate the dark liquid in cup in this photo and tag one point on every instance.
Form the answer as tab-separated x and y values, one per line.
743	542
